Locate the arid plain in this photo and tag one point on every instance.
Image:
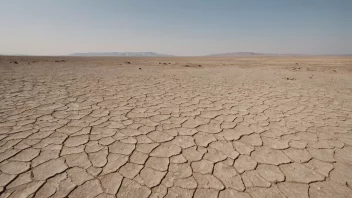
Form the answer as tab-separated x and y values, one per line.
176	127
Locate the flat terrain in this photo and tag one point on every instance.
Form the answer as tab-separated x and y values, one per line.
176	127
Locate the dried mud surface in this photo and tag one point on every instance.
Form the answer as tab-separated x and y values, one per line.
176	127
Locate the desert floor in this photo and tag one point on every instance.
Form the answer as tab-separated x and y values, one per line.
176	127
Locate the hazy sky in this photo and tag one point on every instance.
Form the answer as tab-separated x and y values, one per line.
177	27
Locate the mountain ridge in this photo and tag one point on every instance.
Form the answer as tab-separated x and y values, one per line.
231	54
143	54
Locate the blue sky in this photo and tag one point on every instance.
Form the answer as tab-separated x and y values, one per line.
177	27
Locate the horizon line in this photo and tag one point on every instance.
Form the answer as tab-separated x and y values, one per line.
239	53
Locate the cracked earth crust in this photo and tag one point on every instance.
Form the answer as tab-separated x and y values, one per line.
97	127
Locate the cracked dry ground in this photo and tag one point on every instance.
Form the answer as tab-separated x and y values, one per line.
77	129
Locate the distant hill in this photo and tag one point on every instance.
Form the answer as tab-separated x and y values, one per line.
252	54
143	54
238	54
336	55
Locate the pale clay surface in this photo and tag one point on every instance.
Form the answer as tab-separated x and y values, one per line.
236	127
